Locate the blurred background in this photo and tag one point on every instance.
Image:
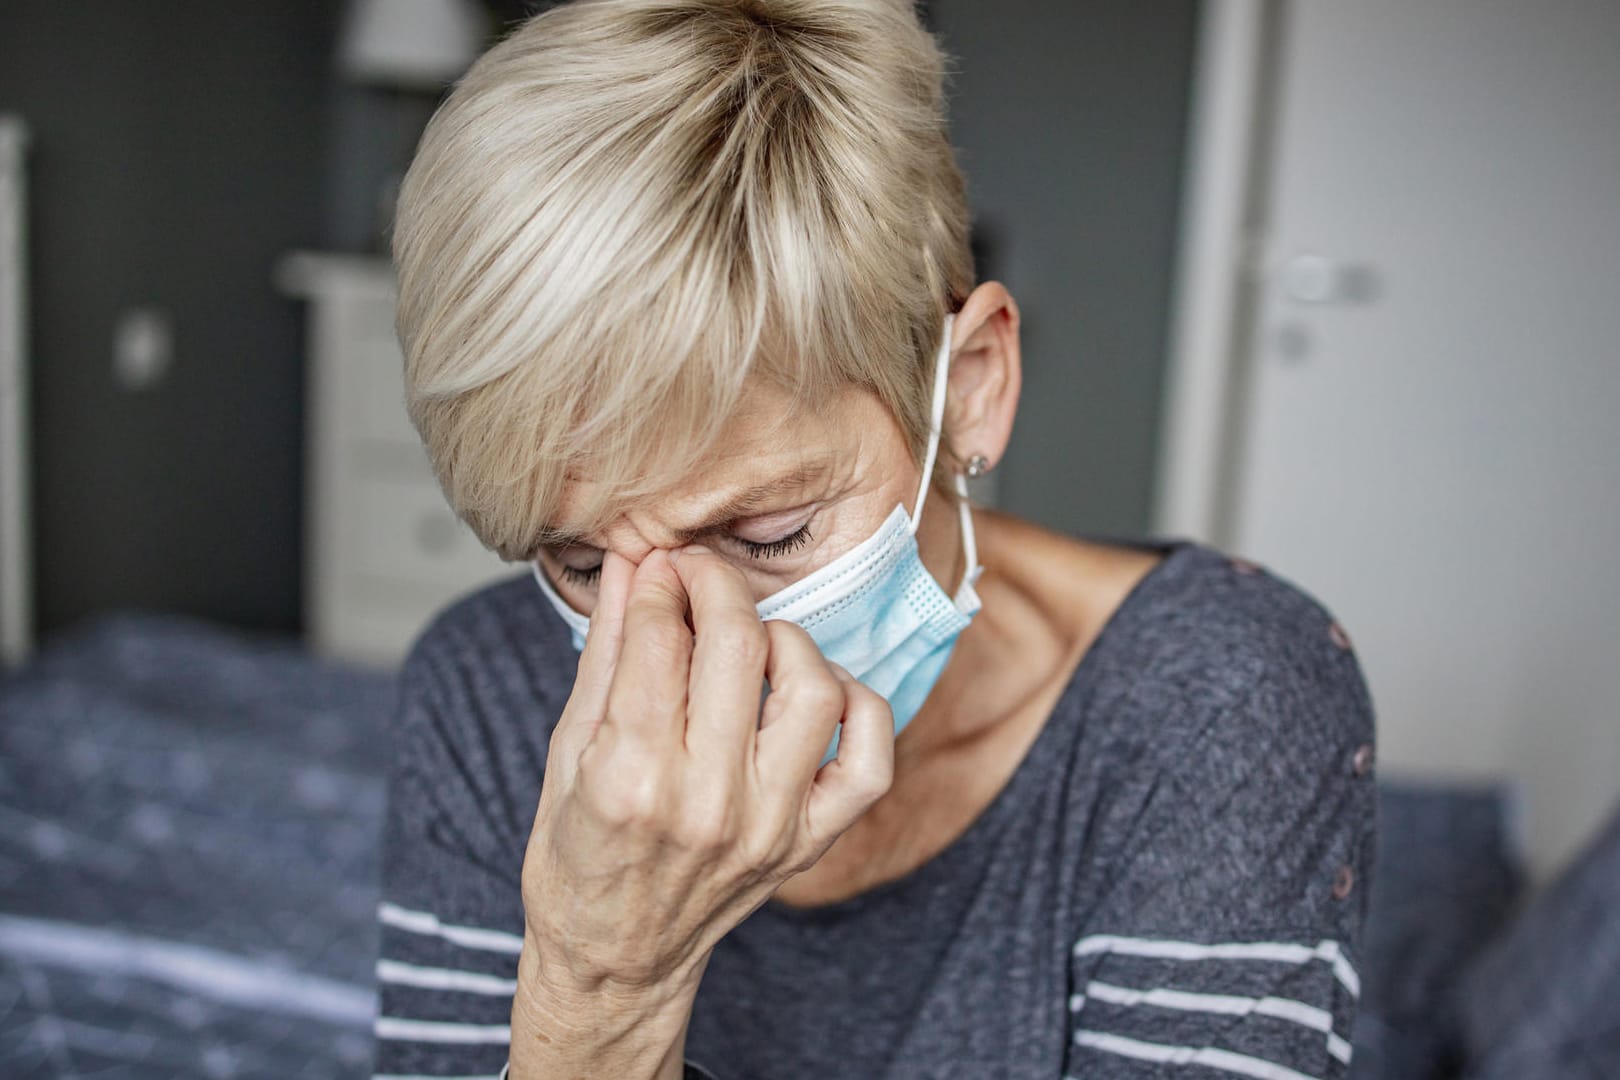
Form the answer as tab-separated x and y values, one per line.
1332	287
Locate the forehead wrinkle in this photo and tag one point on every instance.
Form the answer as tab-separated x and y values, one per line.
744	501
715	512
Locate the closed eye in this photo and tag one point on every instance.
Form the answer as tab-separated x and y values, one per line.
587	576
583	577
770	549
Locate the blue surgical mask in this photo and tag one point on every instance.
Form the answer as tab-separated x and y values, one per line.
875	610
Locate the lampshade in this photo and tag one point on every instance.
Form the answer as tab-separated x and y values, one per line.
411	43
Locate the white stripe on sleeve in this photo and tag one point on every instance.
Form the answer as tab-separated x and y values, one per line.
1228	1004
1225	1060
1276	951
469	937
436	1031
437	978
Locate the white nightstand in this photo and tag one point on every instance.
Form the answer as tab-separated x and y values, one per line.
382	550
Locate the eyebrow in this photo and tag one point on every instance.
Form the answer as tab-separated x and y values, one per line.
734	505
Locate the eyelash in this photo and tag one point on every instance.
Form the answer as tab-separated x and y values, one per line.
793	541
584	578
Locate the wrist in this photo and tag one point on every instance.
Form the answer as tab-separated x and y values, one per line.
554	985
598	1027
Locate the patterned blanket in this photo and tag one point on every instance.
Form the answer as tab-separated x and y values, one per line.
188	857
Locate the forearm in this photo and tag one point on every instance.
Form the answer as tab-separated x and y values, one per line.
569	1033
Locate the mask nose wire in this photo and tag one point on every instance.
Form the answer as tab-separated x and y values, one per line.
942	368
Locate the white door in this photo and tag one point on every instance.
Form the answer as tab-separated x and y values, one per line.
1430	420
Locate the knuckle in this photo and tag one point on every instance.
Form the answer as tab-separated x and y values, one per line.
869	780
824	695
863	698
655	592
665	644
882	781
870	705
738	642
764	849
871	771
621	787
708	825
881	777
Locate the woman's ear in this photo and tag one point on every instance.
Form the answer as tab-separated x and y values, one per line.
986	376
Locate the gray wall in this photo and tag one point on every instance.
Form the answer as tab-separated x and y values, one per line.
1069	119
178	149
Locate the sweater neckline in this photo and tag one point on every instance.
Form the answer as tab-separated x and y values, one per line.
1029	774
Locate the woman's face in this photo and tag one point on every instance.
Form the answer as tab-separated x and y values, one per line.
778	498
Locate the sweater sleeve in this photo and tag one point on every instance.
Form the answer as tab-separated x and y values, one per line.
1226	939
451	911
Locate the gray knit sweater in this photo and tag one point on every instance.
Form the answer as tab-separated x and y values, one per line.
1172	883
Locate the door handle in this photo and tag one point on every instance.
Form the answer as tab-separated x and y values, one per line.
1313	278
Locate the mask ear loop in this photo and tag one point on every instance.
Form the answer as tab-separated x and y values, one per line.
942	368
970	547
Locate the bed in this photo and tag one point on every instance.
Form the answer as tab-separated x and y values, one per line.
189	819
188	856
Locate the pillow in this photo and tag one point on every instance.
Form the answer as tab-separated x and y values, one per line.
1443	884
1544	1001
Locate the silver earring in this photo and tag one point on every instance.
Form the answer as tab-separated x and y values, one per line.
977	466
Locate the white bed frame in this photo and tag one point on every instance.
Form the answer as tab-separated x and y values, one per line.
16	551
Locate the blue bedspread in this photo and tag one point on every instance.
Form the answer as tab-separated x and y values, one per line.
188	856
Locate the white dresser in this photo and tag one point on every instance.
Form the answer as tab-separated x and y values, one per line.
382	551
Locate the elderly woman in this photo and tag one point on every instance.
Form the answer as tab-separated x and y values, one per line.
784	762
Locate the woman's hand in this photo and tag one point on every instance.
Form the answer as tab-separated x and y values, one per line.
673	807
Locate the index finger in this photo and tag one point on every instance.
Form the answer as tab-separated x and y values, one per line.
587	702
730	647
606	635
647	696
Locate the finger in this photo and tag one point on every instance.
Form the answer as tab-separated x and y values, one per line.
730	647
647	696
587	702
849	784
603	640
802	710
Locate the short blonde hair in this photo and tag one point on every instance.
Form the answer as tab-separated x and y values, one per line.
628	209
